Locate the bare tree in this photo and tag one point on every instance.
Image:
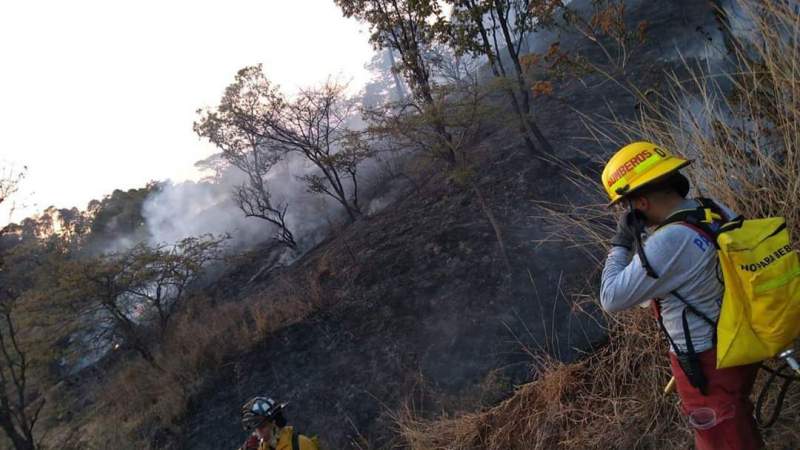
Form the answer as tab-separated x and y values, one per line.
19	410
9	184
256	126
315	125
451	67
240	127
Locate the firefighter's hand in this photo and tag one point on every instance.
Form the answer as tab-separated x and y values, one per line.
626	231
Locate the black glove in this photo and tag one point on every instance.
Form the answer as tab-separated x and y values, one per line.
628	226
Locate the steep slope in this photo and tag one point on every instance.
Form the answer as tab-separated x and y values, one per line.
415	301
416	291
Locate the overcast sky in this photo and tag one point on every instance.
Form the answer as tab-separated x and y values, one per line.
98	95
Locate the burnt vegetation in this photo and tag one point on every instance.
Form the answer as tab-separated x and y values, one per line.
423	270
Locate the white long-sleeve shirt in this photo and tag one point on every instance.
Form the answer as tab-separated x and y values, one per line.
686	262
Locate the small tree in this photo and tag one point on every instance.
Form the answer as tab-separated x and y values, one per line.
469	114
315	125
160	276
498	28
240	127
19	411
128	295
606	27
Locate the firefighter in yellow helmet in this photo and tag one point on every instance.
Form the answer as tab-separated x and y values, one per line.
674	269
264	418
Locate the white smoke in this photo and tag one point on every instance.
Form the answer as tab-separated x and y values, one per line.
178	211
310	215
189	209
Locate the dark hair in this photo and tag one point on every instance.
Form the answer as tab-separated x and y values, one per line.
673	183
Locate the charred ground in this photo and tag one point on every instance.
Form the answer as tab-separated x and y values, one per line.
416	303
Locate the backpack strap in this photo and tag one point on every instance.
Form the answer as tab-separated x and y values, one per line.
295	440
691	308
657	308
704	219
687	360
701	219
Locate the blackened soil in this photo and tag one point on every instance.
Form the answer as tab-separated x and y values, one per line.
417	303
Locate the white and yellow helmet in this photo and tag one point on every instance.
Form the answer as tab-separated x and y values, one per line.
258	410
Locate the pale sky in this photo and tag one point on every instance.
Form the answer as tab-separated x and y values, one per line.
98	95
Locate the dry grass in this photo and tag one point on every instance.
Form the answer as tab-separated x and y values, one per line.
140	402
611	399
742	127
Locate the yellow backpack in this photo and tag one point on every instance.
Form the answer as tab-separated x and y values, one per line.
760	313
313	442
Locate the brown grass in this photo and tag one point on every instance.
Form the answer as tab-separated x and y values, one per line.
612	399
744	140
741	126
140	402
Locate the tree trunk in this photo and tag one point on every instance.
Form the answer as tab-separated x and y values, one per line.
147	356
438	123
546	146
355	193
17	439
398	83
499	71
524	123
520	78
332	174
351	213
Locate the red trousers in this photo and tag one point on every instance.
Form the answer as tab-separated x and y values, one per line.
729	399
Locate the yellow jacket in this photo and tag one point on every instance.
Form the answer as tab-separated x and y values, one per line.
285	441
